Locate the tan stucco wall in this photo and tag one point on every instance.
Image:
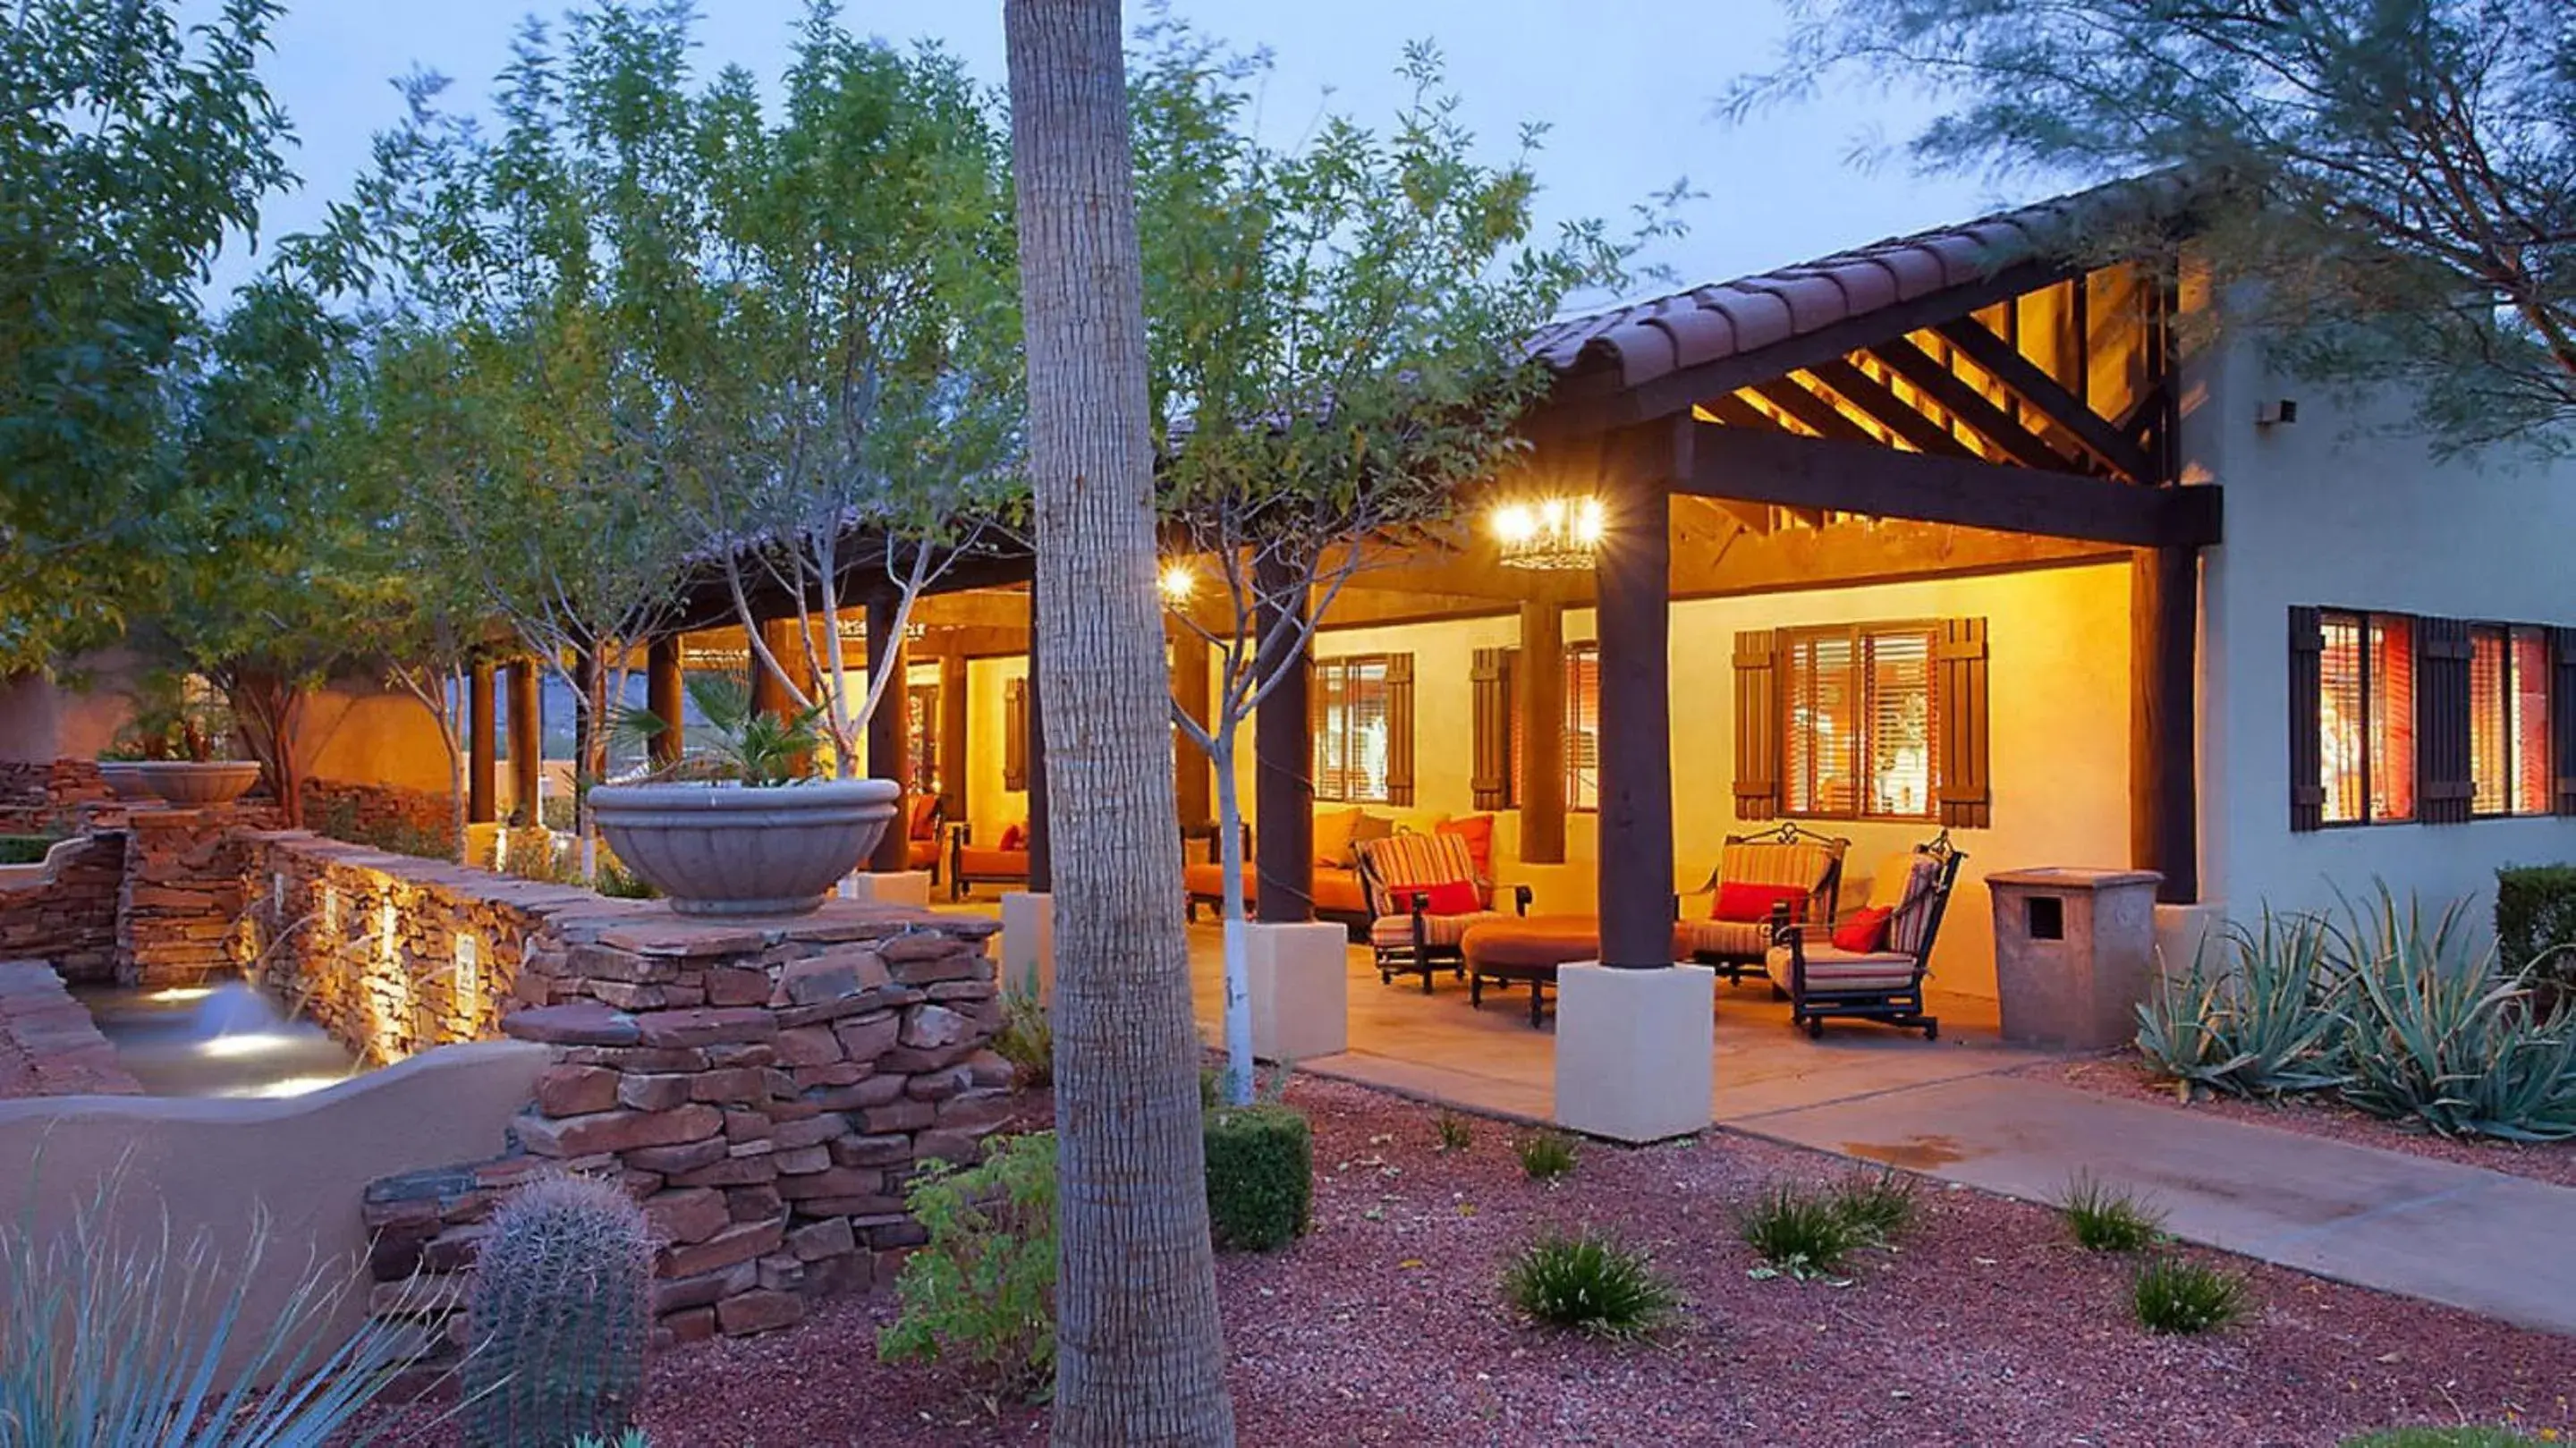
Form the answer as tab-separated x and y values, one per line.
989	807
210	1165
72	715
370	736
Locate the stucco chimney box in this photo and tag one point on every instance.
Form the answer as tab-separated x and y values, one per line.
2074	953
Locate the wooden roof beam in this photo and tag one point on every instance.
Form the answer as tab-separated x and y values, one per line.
2090	429
1951	392
1888	410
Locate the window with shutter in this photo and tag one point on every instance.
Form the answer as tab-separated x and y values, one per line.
1354	729
2365	717
1583	726
1398	779
1961	780
2490	722
1494	768
1861	733
1757	725
2312	781
2527	679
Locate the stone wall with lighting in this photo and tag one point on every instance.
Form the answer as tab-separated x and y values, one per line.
180	901
764	1088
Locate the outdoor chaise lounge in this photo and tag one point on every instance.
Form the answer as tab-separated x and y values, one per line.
1870	964
1756	873
1423	896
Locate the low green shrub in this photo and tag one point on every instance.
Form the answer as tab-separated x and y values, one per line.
619	883
2178	1295
1546	1155
24	849
2459	1437
1879	1207
2102	1218
1455	1136
2441	1038
1260	1175
1588	1284
2262	1020
2535	922
1800	1231
983	1287
1027	1035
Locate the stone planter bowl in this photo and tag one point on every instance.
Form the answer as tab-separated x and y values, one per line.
189	784
730	849
126	777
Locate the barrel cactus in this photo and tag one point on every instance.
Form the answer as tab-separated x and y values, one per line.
559	1313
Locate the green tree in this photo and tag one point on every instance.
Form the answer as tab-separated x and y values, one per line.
2399	176
1140	1352
131	148
1338	352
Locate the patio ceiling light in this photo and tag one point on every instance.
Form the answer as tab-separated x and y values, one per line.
1178	582
1551	533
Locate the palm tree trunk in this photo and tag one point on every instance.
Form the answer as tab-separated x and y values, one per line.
1140	1351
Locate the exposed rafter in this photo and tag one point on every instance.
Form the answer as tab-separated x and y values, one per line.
2090	429
1951	392
1888	410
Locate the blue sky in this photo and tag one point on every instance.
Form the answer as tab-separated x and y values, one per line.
1625	85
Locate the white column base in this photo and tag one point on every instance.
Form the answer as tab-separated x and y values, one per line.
1300	981
892	887
2183	931
1633	1050
1028	943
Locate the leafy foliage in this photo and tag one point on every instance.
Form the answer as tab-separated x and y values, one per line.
738	742
2266	1021
2179	1295
983	1287
1260	1175
1545	1155
2535	924
2405	165
1027	1035
24	849
560	1314
114	1343
1799	1231
2103	1218
1590	1284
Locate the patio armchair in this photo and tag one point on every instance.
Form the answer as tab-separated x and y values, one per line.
1870	965
1731	933
1423	895
921	838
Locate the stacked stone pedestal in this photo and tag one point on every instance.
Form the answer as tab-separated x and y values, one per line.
180	898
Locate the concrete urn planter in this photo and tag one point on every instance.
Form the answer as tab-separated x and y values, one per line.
730	849
126	777
188	783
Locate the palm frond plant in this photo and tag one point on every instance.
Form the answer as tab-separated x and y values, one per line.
2267	1019
152	1341
2442	1037
741	743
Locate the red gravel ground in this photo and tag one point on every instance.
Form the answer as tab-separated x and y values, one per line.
2317	1114
1385	1327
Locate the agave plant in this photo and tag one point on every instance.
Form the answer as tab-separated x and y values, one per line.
743	744
2441	1036
154	1342
2266	1022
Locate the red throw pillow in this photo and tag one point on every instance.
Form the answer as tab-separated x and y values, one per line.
1015	837
1451	897
1865	932
1478	832
1751	904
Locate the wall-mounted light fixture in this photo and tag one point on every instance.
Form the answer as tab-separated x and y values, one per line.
1549	533
2276	412
1177	582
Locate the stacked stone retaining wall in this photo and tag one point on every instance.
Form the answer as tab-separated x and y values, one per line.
64	913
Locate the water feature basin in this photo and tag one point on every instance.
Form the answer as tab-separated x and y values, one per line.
228	1039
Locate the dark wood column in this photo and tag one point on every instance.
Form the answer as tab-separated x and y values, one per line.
952	732
1541	688
481	748
887	730
1283	770
2164	784
1633	586
1191	782
527	736
769	692
662	697
1041	848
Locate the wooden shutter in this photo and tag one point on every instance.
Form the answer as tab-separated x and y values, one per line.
1490	773
1015	734
2307	719
2444	788
1960	716
2562	718
1399	729
1757	724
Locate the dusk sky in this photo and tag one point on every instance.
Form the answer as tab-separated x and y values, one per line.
1626	85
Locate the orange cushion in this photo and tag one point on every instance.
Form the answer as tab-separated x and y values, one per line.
1449	897
1865	931
1015	837
925	816
1478	832
1747	903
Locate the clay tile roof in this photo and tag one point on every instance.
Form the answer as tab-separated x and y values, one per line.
1645	340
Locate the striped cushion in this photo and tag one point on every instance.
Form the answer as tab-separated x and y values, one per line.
1411	859
1913	918
1771	862
1741	939
1391	931
1832	969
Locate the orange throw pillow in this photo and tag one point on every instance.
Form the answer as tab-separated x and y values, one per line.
1015	837
1751	904
1865	933
1478	832
1451	897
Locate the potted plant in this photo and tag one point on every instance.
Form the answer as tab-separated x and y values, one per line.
732	829
177	748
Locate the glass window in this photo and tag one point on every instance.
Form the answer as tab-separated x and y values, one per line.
2527	719
1860	726
2366	717
1583	726
1351	733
